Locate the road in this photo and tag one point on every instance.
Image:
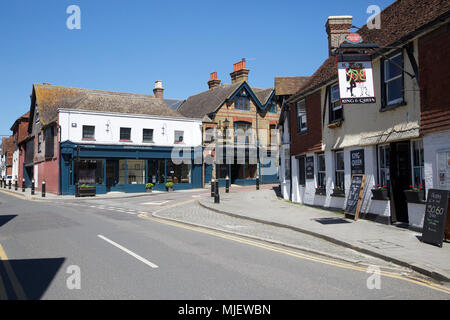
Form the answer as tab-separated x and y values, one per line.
107	249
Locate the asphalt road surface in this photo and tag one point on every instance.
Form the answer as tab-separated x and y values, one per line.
105	249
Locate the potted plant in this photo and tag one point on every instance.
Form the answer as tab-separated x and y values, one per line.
169	186
149	187
338	192
321	191
87	190
380	193
415	195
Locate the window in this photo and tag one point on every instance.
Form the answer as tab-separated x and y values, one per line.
36	113
49	142
39	142
89	171
335	108
179	136
209	135
242	132
180	173
393	81
147	135
135	171
384	164
273	135
340	174
287	164
301	116
156	171
321	171
242	101
125	134
273	107
301	171
88	132
418	164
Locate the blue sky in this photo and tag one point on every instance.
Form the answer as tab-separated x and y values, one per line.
128	45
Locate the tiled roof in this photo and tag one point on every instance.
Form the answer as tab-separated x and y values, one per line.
289	85
8	145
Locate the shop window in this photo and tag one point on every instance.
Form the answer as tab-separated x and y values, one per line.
384	163
135	171
156	171
122	171
340	170
125	134
179	136
321	170
392	81
88	132
178	173
242	101
301	171
301	117
336	112
418	164
147	135
89	171
242	132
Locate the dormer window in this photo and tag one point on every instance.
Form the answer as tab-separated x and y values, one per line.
273	107
242	101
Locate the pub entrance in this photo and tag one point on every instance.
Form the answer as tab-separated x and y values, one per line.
400	179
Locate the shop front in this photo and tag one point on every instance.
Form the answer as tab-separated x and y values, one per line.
125	168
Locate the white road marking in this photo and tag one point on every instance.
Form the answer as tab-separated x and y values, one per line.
156	203
131	253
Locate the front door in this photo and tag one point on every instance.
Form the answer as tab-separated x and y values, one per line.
400	172
112	174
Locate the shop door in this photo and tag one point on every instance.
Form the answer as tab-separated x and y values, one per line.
400	172
112	174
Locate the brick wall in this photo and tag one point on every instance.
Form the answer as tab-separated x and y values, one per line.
311	141
434	72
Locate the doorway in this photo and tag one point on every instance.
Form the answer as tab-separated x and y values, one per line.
112	174
400	179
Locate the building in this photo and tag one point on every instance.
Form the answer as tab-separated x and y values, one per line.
240	119
387	138
115	141
20	135
8	147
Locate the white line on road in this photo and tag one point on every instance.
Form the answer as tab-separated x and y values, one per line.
156	203
152	265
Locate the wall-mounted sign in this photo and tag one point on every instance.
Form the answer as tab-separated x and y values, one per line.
357	161
353	38
309	168
355	76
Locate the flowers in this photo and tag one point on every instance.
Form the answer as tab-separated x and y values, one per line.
380	188
413	188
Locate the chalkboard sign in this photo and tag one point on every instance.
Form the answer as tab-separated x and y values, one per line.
309	168
435	216
357	161
355	195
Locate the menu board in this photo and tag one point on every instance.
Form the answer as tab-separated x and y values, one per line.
357	161
309	166
355	196
435	217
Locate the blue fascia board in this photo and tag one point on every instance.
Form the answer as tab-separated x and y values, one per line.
250	91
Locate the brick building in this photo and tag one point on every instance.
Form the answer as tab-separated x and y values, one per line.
20	135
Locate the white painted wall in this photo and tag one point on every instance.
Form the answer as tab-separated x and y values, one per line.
15	165
107	128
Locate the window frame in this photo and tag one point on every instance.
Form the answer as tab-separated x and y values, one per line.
385	82
332	108
339	171
175	136
273	107
248	135
301	173
143	135
321	174
386	168
121	133
421	165
240	98
300	116
83	132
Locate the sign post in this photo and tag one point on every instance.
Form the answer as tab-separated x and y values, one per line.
355	196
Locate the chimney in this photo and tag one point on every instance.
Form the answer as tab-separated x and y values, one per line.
213	82
239	74
338	27
159	90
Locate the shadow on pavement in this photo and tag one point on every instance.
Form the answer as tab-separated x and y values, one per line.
5	219
34	276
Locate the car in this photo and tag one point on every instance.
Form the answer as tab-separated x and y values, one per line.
8	179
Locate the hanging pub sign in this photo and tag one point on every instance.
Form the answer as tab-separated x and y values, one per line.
355	76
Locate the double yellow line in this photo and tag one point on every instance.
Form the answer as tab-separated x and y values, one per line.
415	280
17	287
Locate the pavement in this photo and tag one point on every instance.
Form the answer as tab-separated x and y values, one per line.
390	243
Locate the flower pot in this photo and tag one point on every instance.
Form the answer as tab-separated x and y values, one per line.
87	192
169	189
378	194
149	190
413	196
321	191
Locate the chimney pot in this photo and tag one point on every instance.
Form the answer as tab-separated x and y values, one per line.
239	74
213	82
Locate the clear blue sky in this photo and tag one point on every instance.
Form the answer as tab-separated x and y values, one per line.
127	45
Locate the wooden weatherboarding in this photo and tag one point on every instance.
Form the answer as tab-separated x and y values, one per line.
355	195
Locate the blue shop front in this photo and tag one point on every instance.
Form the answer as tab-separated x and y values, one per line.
125	168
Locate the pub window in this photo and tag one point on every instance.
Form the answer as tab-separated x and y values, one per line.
179	136
384	163
147	135
301	117
242	101
125	134
321	170
393	81
88	132
418	164
301	171
340	170
336	111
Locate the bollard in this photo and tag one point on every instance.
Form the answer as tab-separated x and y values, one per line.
23	185
77	190
212	188
43	189
9	185
216	192
257	183
227	185
4	183
16	185
1	183
32	187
